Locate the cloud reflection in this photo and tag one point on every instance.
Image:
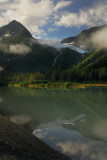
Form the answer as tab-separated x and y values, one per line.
1	99
100	129
73	144
89	151
40	134
20	119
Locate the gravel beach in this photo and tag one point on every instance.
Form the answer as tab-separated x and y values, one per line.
17	143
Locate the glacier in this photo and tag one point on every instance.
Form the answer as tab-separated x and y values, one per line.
58	45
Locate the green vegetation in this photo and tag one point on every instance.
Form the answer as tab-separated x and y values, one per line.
57	85
68	58
92	69
46	66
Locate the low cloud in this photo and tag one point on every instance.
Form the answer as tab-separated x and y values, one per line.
20	49
32	42
4	47
49	42
1	68
99	39
7	35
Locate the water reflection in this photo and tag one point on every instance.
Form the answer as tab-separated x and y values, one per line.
20	119
73	121
49	105
60	122
95	129
89	143
1	99
84	150
73	144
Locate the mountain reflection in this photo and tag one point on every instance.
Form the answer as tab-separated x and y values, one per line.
73	121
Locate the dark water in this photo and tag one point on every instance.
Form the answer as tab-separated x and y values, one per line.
72	121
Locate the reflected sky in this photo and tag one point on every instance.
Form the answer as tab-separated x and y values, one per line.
73	121
73	144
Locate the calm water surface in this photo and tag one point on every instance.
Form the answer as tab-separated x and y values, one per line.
72	121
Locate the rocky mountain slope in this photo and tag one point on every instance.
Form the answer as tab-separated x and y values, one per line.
14	32
21	53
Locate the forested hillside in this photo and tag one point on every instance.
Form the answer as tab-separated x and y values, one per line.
24	60
93	68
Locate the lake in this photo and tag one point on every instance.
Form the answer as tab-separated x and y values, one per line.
73	121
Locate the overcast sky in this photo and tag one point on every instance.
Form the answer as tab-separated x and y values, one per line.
54	19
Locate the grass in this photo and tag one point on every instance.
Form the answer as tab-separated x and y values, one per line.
58	85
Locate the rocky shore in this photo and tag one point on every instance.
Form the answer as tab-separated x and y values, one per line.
17	143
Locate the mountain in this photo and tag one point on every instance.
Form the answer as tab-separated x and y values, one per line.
23	58
85	39
93	67
67	59
21	53
14	32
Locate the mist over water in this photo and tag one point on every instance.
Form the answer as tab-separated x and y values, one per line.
72	121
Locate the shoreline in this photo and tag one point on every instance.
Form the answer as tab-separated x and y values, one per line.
59	85
17	143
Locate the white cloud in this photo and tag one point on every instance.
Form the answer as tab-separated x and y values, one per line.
30	13
20	49
1	69
52	29
99	39
3	47
62	4
7	35
3	1
37	31
34	14
89	17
